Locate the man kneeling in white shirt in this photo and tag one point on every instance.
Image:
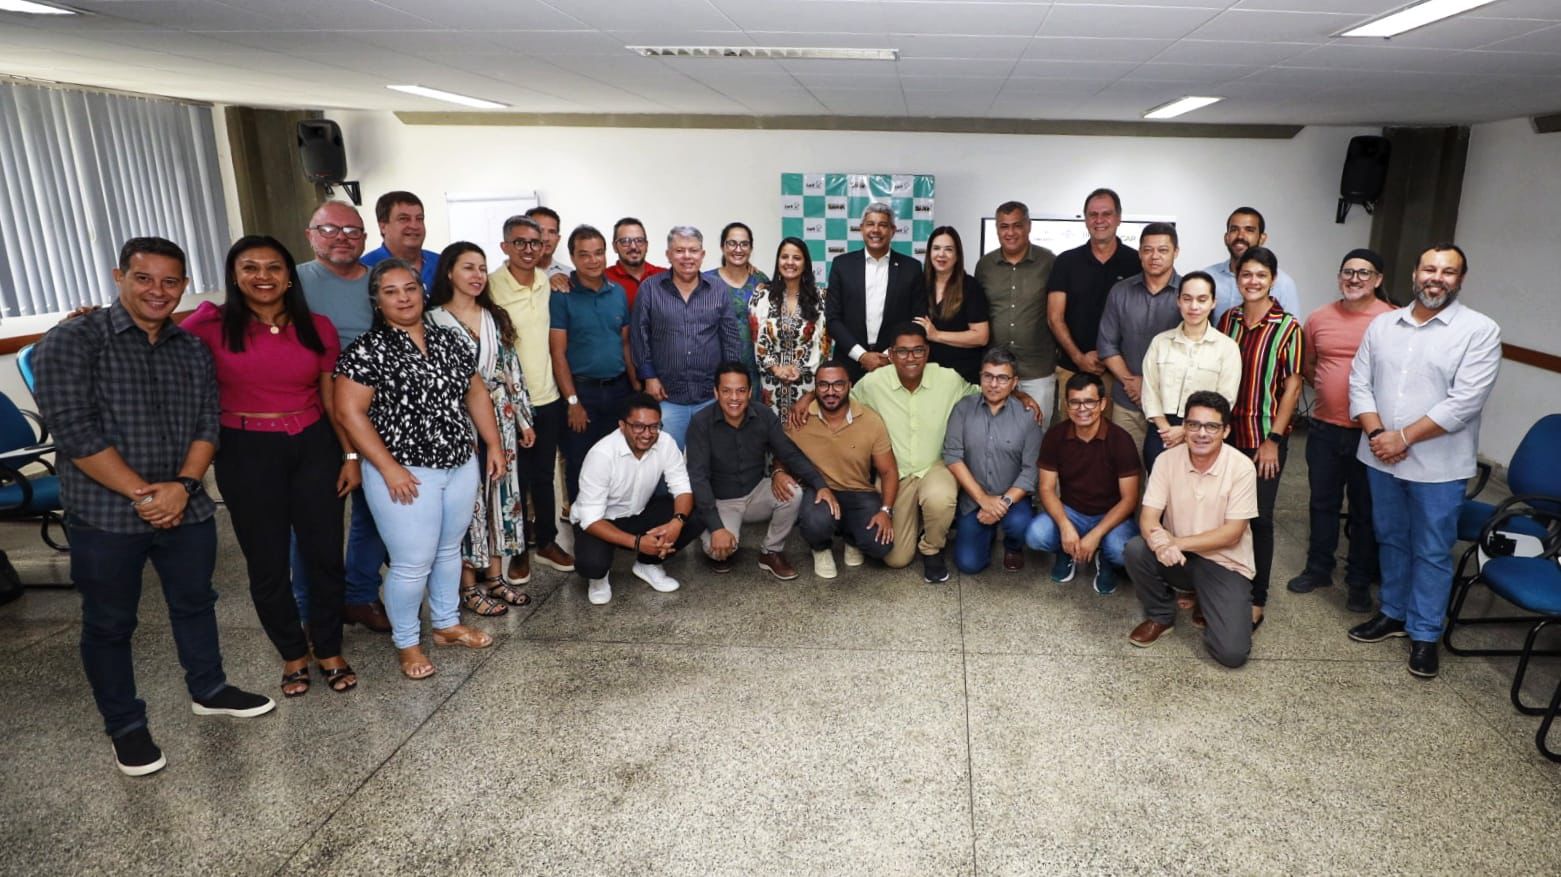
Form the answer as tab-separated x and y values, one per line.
615	507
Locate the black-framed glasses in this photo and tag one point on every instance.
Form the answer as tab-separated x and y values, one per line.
631	242
351	232
738	245
1207	428
1357	273
642	428
832	385
1000	380
526	243
910	352
1084	404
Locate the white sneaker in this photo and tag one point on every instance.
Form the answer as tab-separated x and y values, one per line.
824	564
652	574
599	591
853	555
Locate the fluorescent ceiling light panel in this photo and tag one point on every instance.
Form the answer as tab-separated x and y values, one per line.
1411	17
448	97
770	53
32	8
1179	106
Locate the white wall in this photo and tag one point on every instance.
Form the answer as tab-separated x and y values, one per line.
1509	222
708	178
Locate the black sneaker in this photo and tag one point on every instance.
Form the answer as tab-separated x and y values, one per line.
232	701
934	569
1359	599
1307	582
1423	660
136	755
1379	628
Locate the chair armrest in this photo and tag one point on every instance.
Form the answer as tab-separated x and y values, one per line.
1482	478
37	419
26	453
1542	509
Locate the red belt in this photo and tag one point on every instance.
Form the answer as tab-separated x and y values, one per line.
292	424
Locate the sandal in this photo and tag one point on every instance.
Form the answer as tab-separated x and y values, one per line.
299	677
503	590
340	679
476	600
461	635
415	664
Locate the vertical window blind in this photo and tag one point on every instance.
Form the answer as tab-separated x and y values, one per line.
81	172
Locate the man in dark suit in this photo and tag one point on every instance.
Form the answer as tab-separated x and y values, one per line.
870	292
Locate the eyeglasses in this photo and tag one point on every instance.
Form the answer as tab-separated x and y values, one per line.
832	385
1356	273
738	245
1084	404
630	242
351	232
642	428
910	352
1200	426
1000	380
526	243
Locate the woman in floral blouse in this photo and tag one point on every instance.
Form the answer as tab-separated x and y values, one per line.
408	394
786	318
460	301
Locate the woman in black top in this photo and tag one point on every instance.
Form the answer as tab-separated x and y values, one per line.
954	309
408	393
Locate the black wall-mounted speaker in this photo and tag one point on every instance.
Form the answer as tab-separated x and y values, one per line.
1365	173
321	150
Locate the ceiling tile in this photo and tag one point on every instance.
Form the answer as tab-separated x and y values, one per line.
1353	56
947	46
485	15
1145	22
1285	27
988	19
1223	52
1190	73
1546	40
1363	9
617	15
1071	69
1542	10
1103	49
802	16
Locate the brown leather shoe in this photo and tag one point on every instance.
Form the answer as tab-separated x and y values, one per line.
1146	633
555	557
370	615
1013	561
519	570
778	566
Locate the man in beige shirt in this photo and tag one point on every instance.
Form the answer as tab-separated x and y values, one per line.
1196	535
521	288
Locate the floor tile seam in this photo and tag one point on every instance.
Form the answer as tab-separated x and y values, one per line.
745	646
1523	749
1005	653
970	761
64	627
288	858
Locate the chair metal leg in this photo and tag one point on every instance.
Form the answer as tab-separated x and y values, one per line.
1542	738
53	519
1517	676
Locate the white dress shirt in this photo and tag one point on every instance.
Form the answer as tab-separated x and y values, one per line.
616	484
876	287
1444	369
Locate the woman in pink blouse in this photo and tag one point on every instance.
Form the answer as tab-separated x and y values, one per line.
280	464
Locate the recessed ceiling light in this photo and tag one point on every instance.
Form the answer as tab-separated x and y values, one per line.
1179	106
448	96
1411	17
771	53
31	8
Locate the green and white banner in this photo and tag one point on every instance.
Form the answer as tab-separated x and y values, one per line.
825	210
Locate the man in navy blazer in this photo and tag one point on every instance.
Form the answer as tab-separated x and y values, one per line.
870	292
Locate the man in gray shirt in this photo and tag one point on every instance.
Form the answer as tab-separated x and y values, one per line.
336	284
990	447
1137	309
1418	384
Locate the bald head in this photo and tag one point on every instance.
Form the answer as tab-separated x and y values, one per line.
336	234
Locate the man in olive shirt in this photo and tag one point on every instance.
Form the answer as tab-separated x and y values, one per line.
1078	286
521	288
1015	278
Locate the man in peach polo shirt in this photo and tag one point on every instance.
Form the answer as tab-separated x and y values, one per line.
1333	335
520	287
1196	535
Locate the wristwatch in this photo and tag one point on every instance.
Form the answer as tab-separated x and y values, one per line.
1275	437
1376	432
192	486
681	518
886	510
349	456
572	400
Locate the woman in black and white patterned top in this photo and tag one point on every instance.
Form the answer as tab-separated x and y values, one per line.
408	394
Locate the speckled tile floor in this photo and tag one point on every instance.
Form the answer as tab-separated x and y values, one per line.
1000	724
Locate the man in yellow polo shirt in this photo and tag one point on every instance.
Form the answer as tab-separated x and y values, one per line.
522	290
914	400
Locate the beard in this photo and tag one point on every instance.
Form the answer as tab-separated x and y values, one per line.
1434	299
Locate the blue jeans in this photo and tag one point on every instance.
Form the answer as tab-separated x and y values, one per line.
675	418
424	540
365	556
1416	525
1044	534
973	539
106	569
1332	470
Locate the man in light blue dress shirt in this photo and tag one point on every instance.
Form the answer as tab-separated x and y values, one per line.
1418	384
1244	230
